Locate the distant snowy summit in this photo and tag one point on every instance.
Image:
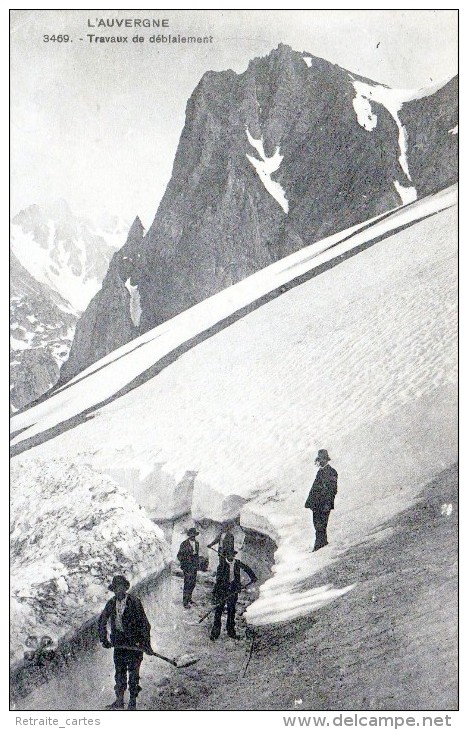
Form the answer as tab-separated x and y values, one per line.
57	264
68	253
269	161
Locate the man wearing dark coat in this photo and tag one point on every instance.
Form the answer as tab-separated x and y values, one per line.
130	637
226	591
188	557
225	538
321	499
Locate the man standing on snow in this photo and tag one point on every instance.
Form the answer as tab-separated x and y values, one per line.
226	591
321	499
130	637
188	558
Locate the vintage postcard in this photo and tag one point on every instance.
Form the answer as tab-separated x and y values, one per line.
233	362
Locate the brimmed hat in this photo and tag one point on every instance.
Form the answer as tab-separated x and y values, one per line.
228	552
323	454
119	581
192	532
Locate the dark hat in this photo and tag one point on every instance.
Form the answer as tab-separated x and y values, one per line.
323	454
119	581
228	552
192	532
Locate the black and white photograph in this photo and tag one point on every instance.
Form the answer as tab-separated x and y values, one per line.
234	363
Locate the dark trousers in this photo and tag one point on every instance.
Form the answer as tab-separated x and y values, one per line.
231	617
127	661
320	517
190	580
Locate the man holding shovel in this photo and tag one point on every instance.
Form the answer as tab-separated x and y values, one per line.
130	637
226	591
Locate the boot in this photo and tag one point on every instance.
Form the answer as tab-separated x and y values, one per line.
131	703
117	704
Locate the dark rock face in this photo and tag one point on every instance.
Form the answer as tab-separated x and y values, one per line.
432	125
269	161
42	327
107	322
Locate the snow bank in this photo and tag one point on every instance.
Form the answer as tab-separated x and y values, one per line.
72	529
360	360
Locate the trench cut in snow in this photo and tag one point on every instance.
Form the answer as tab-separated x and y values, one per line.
265	167
250	430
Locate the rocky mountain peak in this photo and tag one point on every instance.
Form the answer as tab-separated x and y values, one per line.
136	231
269	161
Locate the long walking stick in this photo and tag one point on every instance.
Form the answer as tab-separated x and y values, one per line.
233	593
250	652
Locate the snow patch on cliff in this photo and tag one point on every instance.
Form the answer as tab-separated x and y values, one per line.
307	60
135	302
365	116
454	130
407	195
392	100
265	167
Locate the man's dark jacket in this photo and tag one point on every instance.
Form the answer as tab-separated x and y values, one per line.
136	626
188	556
223	586
322	494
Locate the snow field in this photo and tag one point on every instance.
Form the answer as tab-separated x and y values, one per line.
113	372
360	360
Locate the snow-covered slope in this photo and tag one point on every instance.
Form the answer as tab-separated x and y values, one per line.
360	359
115	371
72	529
67	253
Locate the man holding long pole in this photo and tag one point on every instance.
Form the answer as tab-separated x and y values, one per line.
226	591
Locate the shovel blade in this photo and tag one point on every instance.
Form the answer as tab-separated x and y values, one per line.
185	661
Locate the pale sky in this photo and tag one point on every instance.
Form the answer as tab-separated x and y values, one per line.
98	125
